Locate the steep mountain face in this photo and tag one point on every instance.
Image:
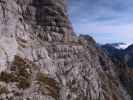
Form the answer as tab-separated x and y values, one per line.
42	59
112	50
129	56
45	19
122	58
126	55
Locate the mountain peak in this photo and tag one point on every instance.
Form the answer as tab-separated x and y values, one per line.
119	45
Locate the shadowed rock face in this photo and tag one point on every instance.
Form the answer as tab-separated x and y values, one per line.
46	19
122	58
41	58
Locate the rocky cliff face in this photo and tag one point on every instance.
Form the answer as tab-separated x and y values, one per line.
42	59
46	19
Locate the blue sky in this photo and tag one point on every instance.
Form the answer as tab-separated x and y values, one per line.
106	20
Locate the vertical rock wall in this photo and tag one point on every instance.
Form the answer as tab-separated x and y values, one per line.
38	61
46	19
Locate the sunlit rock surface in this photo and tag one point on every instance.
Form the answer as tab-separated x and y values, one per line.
42	59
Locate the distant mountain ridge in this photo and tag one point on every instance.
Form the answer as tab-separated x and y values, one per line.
119	45
123	59
114	51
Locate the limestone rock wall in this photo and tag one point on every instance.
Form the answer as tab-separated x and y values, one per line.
45	19
40	59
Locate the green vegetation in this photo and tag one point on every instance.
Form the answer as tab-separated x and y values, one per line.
3	90
7	77
50	84
20	73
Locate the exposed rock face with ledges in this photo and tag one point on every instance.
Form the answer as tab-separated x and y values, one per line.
45	19
42	59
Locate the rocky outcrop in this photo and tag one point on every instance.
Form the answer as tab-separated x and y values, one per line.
42	59
45	19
